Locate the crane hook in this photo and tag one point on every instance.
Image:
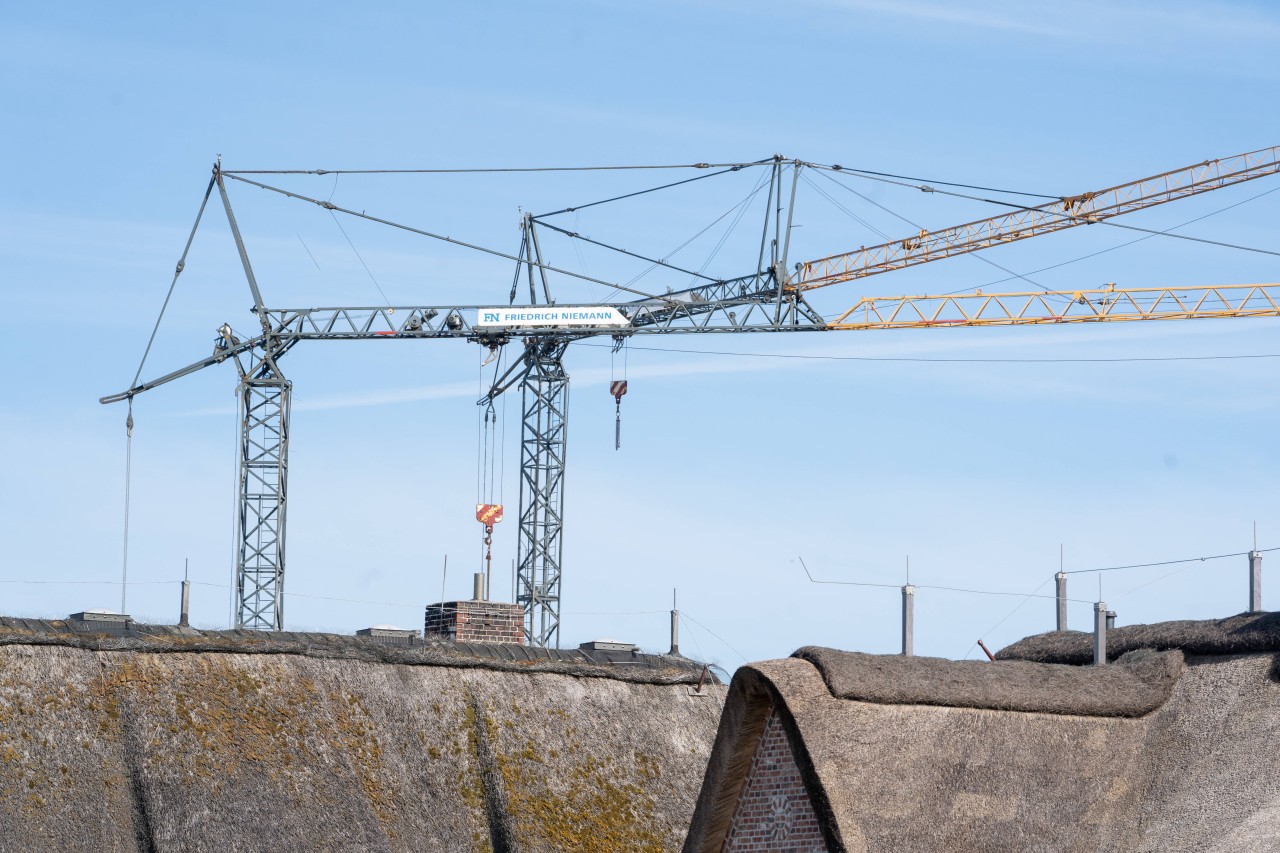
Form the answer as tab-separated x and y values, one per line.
618	388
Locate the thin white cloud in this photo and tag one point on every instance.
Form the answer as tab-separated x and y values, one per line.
992	16
1156	27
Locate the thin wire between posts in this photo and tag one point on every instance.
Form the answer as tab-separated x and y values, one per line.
684	614
1169	562
934	587
83	583
1008	616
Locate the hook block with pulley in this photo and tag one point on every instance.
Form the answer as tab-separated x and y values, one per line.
618	388
488	515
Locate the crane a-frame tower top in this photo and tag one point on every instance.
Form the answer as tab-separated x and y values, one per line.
769	297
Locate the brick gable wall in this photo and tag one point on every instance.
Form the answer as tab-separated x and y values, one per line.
774	812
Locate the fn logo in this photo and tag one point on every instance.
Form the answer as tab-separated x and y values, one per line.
491	316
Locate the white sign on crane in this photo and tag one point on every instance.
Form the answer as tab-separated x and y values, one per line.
573	315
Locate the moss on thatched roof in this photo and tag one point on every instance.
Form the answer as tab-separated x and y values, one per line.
218	741
1245	633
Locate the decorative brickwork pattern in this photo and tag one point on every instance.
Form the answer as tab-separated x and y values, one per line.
774	812
476	622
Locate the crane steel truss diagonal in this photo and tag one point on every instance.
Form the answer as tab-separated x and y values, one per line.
264	468
1085	306
543	442
1068	212
763	300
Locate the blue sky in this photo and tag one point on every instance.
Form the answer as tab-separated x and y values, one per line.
732	466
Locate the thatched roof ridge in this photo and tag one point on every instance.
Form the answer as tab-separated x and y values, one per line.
1140	683
1241	634
644	669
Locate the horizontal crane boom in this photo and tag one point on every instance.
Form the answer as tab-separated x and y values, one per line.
1034	308
871	312
1068	212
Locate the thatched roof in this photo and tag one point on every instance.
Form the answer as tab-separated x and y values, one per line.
1138	685
215	741
915	754
1245	633
506	657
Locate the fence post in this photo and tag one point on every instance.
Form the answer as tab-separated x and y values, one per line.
1255	581
908	619
675	625
1100	633
1061	578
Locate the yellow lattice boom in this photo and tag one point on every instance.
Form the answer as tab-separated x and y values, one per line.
1107	304
1067	212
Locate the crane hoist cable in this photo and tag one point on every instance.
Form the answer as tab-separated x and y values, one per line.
489	511
128	477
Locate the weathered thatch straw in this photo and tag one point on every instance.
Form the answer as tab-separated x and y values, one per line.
218	741
1140	684
1245	633
1167	751
652	669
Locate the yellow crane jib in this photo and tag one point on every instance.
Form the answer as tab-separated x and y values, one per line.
1107	304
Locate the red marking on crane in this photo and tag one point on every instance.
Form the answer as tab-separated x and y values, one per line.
488	514
386	333
618	388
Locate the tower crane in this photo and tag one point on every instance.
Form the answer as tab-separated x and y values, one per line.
769	298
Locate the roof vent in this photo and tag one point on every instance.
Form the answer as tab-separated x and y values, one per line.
101	616
608	645
389	635
610	651
102	621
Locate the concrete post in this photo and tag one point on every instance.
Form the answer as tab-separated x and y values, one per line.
477	585
1255	581
1061	578
908	619
1100	633
184	619
675	632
